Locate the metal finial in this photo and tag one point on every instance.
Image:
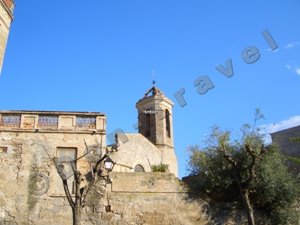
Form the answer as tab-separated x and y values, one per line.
153	73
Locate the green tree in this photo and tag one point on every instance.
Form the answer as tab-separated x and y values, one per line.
246	165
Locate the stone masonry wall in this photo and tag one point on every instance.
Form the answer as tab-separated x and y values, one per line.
131	199
30	189
154	199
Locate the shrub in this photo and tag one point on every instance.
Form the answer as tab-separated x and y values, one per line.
160	168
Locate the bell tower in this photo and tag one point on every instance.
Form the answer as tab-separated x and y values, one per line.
155	117
6	17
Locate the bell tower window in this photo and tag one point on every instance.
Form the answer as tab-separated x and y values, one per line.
168	128
148	125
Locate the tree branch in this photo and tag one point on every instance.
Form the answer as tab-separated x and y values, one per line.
77	176
67	192
60	171
227	156
255	158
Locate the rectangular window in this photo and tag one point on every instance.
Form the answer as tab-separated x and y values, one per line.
65	157
10	120
48	121
87	122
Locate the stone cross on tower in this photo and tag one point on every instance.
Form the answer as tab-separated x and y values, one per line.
6	17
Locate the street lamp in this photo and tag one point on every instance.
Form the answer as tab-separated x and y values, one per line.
109	164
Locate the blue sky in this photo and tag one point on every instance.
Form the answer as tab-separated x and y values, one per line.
99	55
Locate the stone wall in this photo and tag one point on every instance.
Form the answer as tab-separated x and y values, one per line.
155	199
30	188
131	199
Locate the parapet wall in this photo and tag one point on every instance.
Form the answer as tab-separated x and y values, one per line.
149	199
146	183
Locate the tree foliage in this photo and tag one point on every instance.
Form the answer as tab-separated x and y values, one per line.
234	170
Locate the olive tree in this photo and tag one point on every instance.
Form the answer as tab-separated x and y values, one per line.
245	164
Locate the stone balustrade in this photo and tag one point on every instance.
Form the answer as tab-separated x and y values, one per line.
46	121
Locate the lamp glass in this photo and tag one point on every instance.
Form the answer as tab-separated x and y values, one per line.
108	165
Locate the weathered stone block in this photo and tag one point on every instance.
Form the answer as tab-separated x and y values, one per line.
107	216
10	223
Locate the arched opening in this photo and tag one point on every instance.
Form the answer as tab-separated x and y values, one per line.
139	169
168	128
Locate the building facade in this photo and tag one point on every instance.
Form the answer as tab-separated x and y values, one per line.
6	17
29	140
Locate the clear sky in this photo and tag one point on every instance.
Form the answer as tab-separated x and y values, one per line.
99	55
